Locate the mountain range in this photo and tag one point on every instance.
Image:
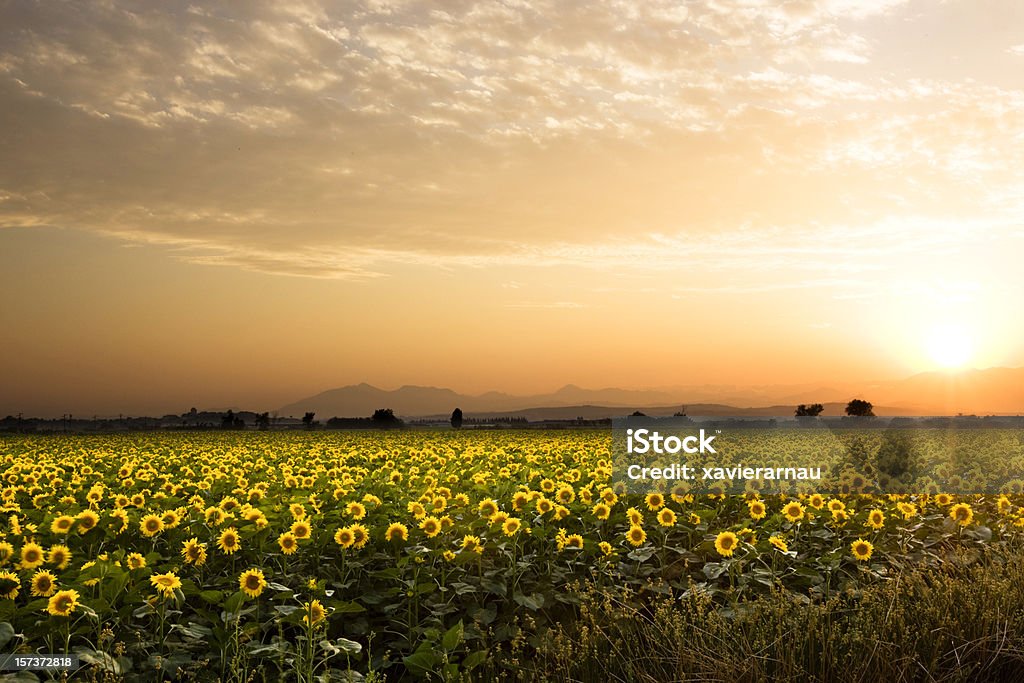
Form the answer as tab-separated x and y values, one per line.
975	391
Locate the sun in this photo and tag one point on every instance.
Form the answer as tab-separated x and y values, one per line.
949	346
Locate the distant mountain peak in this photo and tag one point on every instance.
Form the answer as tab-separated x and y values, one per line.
980	391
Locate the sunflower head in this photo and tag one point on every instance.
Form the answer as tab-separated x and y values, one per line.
344	537
725	543
252	582
396	532
862	549
63	603
44	584
314	613
636	536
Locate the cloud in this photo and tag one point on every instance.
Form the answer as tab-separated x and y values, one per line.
347	141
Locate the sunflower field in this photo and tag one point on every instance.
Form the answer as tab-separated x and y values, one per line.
411	554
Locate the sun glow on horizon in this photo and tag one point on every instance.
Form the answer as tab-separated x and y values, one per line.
949	346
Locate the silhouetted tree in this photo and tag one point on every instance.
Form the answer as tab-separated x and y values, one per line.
457	418
384	418
813	410
263	421
859	408
637	413
227	421
307	419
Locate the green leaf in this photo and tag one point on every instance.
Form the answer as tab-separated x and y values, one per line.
234	602
531	602
343	607
349	647
6	633
100	659
713	570
474	659
452	637
421	662
494	585
212	597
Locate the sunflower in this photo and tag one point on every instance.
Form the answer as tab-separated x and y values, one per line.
314	613
151	525
601	511
136	561
758	509
943	499
793	511
32	556
635	517
9	585
666	517
862	549
344	537
194	552
297	510
431	526
6	552
655	501
488	507
565	495
360	535
694	518
876	519
511	526
165	584
357	510
62	524
544	506
472	544
725	543
396	530
214	516
836	504
289	544
573	541
228	540
252	583
816	501
63	603
606	548
908	510
301	529
59	556
44	584
961	513
636	536
87	521
498	517
779	543
120	521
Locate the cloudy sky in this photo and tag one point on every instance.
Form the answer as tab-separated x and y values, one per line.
243	203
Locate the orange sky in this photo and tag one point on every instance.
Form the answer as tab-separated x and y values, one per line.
242	204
